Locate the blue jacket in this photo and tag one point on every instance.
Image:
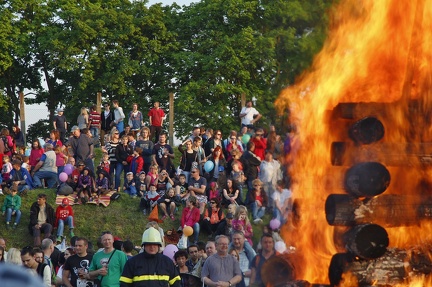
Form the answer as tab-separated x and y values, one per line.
26	175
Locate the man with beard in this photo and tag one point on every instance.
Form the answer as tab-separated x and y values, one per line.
150	268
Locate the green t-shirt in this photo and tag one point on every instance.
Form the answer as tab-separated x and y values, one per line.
115	266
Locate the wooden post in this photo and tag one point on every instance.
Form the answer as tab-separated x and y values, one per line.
22	115
98	102
242	104
171	119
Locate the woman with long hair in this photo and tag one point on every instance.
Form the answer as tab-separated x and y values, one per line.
219	164
258	201
83	119
110	148
18	136
231	194
9	147
189	158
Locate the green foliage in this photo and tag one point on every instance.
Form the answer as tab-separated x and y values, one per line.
208	53
40	129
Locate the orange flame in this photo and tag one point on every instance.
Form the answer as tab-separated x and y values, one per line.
376	51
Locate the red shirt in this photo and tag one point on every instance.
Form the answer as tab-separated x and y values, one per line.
94	119
63	212
156	117
260	147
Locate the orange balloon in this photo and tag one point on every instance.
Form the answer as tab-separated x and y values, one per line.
187	231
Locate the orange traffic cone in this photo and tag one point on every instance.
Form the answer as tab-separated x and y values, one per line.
154	215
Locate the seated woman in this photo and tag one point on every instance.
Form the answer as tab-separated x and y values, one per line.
231	194
191	216
213	216
258	201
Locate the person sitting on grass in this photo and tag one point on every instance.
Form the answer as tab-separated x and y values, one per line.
64	215
169	200
150	200
102	183
140	184
181	188
241	223
213	216
85	186
129	185
191	217
12	206
46	168
20	178
42	219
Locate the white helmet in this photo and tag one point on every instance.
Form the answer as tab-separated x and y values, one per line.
152	236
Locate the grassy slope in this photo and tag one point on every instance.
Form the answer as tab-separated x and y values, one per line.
121	217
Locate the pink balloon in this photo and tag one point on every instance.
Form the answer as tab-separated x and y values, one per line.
275	223
63	176
170	250
68	169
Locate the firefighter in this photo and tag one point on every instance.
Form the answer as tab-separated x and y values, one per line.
150	268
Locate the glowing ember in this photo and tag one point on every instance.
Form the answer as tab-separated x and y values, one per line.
378	56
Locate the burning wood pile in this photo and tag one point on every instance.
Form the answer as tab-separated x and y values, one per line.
362	177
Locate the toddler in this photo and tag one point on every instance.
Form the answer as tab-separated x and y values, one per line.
129	185
150	200
5	173
102	184
140	184
105	163
181	189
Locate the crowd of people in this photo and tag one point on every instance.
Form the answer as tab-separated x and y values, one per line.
222	187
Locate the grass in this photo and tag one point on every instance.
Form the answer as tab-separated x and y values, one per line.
122	217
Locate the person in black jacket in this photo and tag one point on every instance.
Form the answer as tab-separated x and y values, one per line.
150	268
107	122
42	219
250	165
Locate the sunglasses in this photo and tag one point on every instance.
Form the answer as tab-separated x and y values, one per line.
218	134
212	202
193	171
233	138
258	135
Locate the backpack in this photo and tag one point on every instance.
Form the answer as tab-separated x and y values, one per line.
6	146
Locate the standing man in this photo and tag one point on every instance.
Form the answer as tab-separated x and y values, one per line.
119	116
193	256
163	155
156	116
41	219
267	251
147	146
246	255
249	115
107	122
82	147
221	269
77	266
107	265
60	124
150	268
94	123
47	247
46	168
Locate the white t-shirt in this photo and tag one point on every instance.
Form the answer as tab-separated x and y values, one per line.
283	196
250	113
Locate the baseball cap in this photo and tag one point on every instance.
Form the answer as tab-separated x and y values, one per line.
65	201
230	215
74	128
60	110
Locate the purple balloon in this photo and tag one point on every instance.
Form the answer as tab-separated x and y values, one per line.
275	223
63	176
68	169
170	250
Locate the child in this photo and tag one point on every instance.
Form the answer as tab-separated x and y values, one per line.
168	200
85	186
61	158
182	191
150	200
5	172
11	206
137	162
64	215
36	153
237	175
105	163
102	183
129	185
140	184
214	192
25	163
241	223
232	208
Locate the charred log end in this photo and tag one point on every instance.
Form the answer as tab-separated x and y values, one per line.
367	131
339	210
367	179
278	271
367	241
